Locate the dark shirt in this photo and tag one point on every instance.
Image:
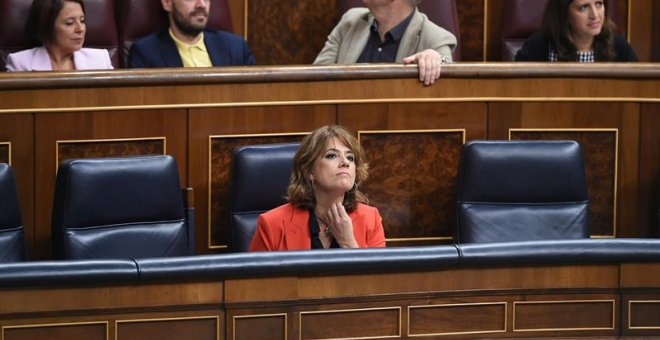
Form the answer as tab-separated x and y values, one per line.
537	48
314	231
377	51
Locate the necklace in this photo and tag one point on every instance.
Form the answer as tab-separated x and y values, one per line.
326	226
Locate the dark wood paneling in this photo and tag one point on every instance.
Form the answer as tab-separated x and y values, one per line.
18	131
5	151
355	323
90	148
649	172
472	19
260	327
600	155
86	127
190	328
64	332
222	149
564	315
581	116
459	318
235	122
289	31
413	187
656	31
426	176
644	314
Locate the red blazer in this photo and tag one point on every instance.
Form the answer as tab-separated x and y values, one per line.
287	228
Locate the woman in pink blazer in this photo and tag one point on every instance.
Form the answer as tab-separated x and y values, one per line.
325	209
60	27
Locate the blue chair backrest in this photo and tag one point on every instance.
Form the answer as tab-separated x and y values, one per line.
259	179
521	190
125	207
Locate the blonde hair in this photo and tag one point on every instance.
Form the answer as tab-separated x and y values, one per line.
301	191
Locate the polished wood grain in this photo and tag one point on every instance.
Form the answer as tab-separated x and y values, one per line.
584	314
133	78
289	32
90	331
471	17
265	326
645	314
641	28
89	149
413	187
203	328
351	323
457	318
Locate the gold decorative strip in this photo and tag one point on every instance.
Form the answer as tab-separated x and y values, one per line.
184	318
338	102
209	241
337	311
256	316
611	327
616	163
8	145
64	324
117	140
630	306
454	305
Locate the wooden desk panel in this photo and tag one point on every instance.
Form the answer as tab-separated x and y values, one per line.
192	109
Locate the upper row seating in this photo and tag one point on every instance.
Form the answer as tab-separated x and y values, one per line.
111	24
443	13
522	18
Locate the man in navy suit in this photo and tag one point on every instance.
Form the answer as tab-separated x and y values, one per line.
188	43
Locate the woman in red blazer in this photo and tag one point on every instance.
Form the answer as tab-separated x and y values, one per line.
326	208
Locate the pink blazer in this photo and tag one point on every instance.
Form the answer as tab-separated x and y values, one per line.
37	59
287	228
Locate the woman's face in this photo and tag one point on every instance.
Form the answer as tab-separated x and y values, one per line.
70	28
334	170
586	18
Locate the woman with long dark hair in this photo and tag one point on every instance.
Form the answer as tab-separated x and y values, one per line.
577	31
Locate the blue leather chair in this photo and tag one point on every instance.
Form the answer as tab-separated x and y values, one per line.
12	237
260	176
520	191
127	207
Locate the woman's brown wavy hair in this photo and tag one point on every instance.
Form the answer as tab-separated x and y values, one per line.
557	28
301	191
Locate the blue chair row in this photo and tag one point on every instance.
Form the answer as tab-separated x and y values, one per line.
107	208
507	190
